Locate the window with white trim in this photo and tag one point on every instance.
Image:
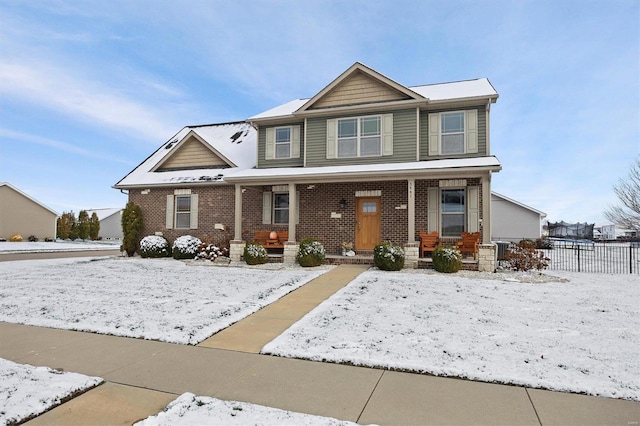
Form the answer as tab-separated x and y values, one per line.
452	208
359	137
452	133
183	211
280	208
283	142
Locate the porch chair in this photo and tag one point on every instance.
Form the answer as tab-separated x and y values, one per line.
428	242
469	243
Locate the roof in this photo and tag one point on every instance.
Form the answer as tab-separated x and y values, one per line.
505	198
8	185
104	213
365	171
235	143
431	93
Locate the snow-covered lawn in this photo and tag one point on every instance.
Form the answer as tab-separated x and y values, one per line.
26	391
189	409
580	335
161	299
56	246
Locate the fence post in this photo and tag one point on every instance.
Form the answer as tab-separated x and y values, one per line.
630	258
578	245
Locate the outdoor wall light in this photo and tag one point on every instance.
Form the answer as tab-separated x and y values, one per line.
343	203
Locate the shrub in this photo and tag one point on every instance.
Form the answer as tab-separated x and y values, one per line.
154	246
254	254
33	238
83	225
447	259
16	238
544	244
210	251
94	227
524	257
185	247
131	228
64	225
310	253
388	257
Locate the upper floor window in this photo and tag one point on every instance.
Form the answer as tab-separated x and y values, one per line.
283	142
359	137
454	132
452	125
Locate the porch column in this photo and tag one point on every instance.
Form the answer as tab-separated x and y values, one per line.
237	228
486	208
411	210
293	212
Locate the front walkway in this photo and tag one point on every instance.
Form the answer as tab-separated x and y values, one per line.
144	376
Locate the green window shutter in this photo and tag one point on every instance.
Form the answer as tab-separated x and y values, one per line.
270	148
331	138
387	134
471	131
473	209
193	217
295	141
433	209
434	134
170	211
266	208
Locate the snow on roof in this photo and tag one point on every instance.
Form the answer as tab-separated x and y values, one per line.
511	200
104	213
372	170
234	141
458	90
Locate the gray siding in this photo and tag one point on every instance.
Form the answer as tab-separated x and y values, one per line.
424	133
511	222
404	141
288	162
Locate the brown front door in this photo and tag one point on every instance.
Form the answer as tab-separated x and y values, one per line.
367	223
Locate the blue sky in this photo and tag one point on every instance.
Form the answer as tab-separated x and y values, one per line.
89	89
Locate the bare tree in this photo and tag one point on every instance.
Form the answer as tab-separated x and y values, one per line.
627	214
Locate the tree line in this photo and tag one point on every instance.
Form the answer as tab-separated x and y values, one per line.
84	227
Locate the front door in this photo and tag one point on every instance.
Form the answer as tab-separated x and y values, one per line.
367	222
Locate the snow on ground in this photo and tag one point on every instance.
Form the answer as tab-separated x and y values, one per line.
161	299
581	335
26	391
189	409
55	246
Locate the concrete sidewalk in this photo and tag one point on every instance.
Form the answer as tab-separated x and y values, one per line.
144	376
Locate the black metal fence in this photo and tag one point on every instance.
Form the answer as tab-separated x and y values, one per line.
588	256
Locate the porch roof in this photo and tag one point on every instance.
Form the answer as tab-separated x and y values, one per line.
390	171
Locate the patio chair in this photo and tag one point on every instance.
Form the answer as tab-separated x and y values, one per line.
428	242
469	243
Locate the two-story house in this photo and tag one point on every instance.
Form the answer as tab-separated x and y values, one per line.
364	160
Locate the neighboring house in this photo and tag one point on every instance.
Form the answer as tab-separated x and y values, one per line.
110	223
364	160
514	221
24	215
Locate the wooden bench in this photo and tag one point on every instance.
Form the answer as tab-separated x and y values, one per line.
469	243
263	238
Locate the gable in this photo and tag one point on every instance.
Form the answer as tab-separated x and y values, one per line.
359	88
192	154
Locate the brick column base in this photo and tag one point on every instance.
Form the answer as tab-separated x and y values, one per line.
411	254
236	250
487	257
290	252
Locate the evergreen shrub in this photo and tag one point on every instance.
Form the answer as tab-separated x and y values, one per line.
388	257
310	253
154	246
447	259
254	254
185	247
131	228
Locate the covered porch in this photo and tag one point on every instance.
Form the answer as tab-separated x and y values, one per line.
363	205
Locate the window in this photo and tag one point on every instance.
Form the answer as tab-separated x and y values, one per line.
183	211
452	125
359	137
283	142
453	212
280	208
